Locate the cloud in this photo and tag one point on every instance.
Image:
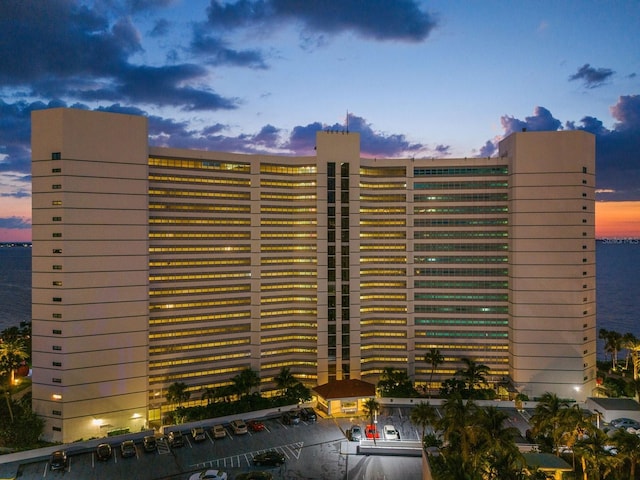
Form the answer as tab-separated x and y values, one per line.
541	120
160	28
372	143
592	77
144	5
60	39
77	53
19	223
381	20
15	134
627	112
217	51
617	149
488	149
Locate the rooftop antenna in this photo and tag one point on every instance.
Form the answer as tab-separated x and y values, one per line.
347	121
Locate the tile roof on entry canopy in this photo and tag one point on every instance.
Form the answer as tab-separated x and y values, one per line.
351	388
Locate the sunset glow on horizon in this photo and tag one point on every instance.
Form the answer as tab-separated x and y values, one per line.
618	219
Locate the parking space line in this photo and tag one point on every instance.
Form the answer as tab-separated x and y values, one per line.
288	450
162	447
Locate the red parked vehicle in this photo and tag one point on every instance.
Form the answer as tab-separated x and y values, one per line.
255	425
371	432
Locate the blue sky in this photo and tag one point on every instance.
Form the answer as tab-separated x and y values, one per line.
418	78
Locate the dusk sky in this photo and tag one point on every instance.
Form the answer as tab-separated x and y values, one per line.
417	78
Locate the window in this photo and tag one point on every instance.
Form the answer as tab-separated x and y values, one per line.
57	299
57	267
56	203
56	332
56	170
57	348
57	315
56	235
56	186
56	364
57	250
56	283
56	380
584	169
56	155
56	429
56	412
56	219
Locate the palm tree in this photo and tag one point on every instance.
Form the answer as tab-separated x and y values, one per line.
628	447
423	415
597	461
546	421
395	383
211	395
371	408
473	374
632	344
434	358
612	344
12	352
461	435
177	393
245	381
492	421
285	380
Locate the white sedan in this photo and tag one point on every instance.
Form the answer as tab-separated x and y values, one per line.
390	433
209	475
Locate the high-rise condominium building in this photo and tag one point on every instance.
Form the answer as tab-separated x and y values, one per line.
153	266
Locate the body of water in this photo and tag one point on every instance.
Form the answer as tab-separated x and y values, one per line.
15	286
617	279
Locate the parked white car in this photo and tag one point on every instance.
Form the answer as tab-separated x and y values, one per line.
209	475
238	427
391	433
219	431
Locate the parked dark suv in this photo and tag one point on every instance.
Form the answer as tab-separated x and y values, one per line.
308	414
149	442
176	439
58	460
291	418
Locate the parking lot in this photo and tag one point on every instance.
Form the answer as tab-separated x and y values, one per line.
312	450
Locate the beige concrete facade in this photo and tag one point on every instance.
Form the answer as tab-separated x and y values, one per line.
195	265
552	318
90	272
